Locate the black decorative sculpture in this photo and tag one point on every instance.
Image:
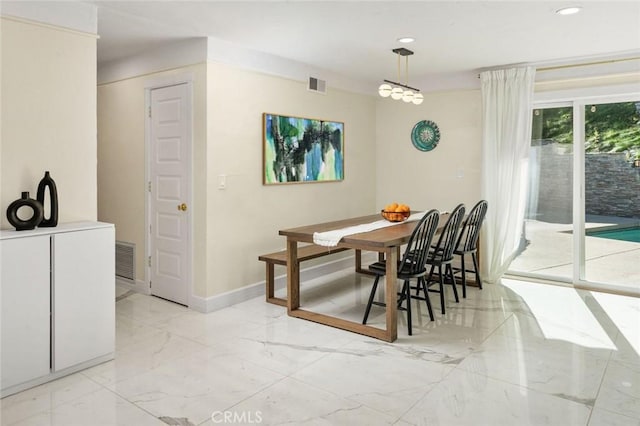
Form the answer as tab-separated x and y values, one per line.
48	183
33	221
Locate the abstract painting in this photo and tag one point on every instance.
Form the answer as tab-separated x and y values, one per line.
300	149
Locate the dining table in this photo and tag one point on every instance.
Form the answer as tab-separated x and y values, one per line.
386	241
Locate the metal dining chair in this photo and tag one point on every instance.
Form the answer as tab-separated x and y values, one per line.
468	243
441	256
412	265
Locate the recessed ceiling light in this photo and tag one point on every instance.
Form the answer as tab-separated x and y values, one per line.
569	10
406	39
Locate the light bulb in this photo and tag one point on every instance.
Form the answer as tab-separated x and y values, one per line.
396	93
384	90
569	10
417	98
407	96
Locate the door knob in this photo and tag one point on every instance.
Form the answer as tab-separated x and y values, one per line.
182	207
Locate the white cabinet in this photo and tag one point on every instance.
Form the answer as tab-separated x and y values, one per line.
25	295
58	302
83	296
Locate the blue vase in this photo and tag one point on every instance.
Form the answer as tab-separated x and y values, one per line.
30	223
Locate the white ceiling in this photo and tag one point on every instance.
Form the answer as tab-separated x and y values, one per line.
355	38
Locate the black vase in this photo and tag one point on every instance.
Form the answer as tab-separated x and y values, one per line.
33	221
48	183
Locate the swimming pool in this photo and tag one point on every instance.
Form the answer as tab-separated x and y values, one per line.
623	234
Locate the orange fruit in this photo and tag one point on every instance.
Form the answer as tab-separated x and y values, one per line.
396	212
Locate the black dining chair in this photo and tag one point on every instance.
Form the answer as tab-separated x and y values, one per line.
468	243
441	256
412	265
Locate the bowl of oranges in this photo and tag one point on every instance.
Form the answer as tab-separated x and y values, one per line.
395	212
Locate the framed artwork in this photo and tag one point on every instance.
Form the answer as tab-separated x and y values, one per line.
297	150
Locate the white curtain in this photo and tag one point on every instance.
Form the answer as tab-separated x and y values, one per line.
506	121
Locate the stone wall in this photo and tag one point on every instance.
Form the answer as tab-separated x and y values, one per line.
612	186
551	183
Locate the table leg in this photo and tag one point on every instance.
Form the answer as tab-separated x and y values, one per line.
358	260
293	276
391	298
293	299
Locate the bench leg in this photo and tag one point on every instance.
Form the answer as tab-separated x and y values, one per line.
269	281
270	287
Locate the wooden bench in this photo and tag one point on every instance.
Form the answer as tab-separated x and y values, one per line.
280	258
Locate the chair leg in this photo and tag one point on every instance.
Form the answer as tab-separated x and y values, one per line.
477	271
441	281
401	298
441	291
449	269
430	276
371	296
464	277
426	292
406	289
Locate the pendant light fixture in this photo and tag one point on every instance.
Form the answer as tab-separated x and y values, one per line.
397	90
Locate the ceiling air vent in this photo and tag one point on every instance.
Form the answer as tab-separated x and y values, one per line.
317	85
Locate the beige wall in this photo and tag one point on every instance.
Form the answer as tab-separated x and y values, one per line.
426	180
48	116
244	218
234	225
231	226
122	164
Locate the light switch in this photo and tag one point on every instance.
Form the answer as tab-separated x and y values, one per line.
460	173
222	181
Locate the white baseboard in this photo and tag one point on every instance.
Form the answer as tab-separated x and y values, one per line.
224	300
138	286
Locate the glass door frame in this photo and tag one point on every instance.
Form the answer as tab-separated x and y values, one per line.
578	100
541	276
579	196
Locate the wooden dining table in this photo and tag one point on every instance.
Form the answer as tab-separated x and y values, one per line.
386	241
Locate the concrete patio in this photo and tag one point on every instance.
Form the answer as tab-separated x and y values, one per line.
549	253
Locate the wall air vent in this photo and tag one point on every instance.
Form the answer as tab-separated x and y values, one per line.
125	260
317	85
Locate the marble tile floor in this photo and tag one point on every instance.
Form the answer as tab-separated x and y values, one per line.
516	353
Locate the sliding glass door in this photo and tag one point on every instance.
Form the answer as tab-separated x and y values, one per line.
546	247
612	193
582	222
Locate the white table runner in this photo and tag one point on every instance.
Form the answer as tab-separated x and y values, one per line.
332	238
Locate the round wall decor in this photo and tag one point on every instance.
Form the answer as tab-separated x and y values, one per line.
425	135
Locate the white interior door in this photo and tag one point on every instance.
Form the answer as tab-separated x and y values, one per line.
169	187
